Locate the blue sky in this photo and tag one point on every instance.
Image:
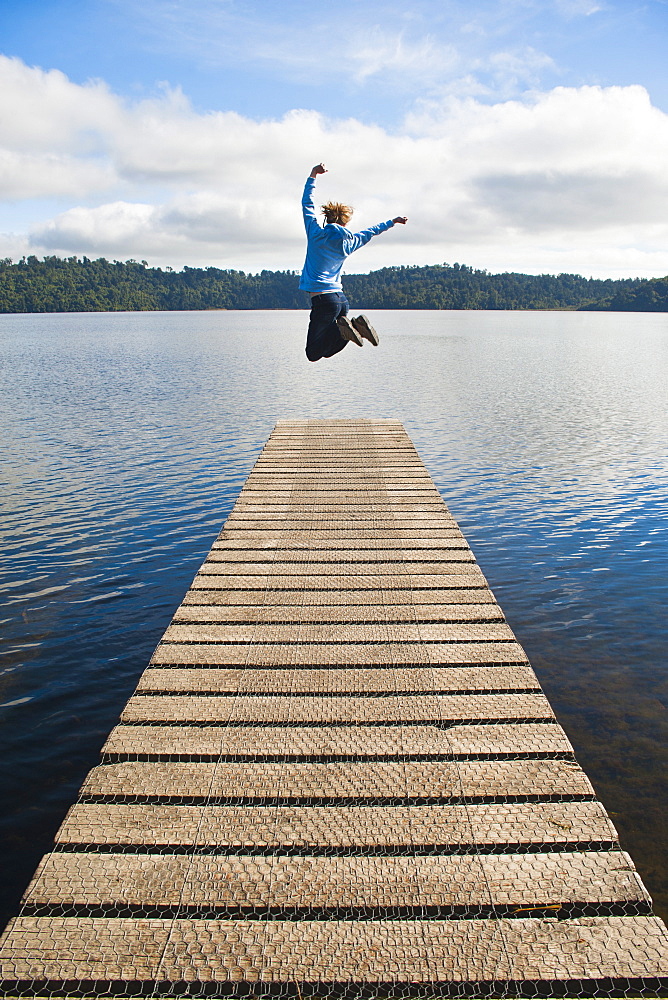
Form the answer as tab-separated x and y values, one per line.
516	134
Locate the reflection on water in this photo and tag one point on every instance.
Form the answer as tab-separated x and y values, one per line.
127	437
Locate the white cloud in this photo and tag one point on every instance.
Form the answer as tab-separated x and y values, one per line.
383	53
113	226
573	176
578	8
515	70
203	225
38	175
43	111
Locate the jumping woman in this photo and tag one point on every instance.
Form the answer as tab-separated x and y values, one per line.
328	246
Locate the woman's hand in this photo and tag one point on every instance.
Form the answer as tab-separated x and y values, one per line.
403	219
319	168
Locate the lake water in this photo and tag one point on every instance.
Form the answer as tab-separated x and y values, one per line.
126	439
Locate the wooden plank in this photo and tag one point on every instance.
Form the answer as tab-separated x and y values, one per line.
277	541
365	459
321	475
351	780
333	680
322	581
335	951
236	554
459	563
358	633
361	742
239	883
395	600
465	577
399	487
319	509
322	560
343	518
351	829
338	654
210	613
289	524
324	534
346	710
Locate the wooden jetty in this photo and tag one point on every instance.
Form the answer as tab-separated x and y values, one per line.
338	774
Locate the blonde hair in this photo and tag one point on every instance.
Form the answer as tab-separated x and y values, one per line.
335	211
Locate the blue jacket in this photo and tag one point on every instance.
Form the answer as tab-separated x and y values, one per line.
328	246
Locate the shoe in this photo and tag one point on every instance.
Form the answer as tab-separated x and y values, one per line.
348	331
363	327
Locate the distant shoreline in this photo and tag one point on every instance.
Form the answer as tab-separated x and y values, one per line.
57	285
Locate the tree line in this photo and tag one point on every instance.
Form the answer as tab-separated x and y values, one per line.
74	284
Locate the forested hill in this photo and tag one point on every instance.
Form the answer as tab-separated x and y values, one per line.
641	296
442	286
82	285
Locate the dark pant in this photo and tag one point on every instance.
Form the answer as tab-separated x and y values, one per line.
323	339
